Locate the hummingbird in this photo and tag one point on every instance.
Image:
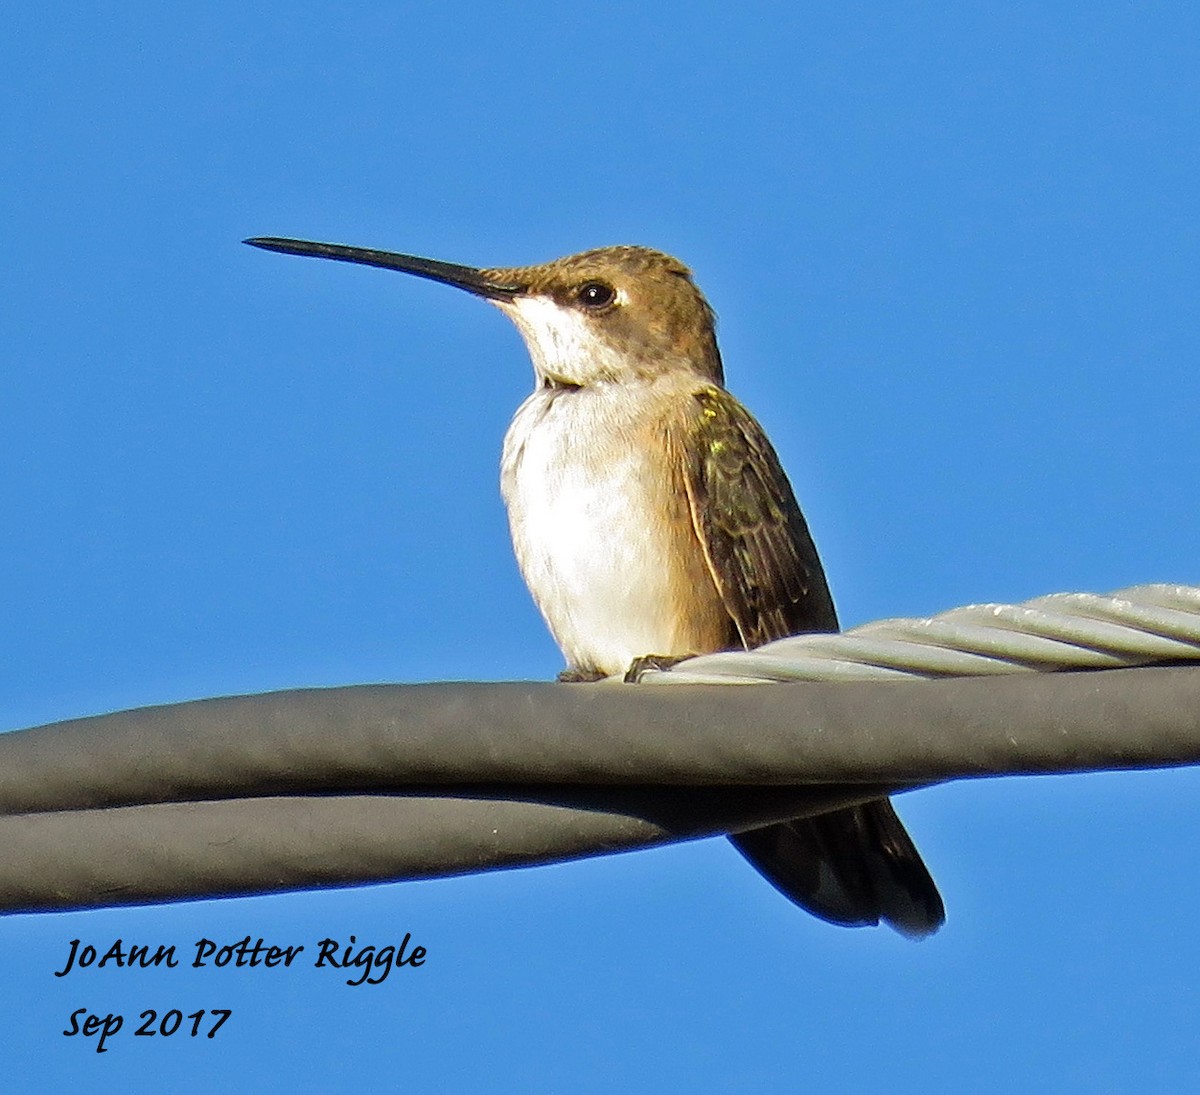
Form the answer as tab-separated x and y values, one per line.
652	521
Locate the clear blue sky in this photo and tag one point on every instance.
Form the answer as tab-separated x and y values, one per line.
954	252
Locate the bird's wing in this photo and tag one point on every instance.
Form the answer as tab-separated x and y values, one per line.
851	866
755	539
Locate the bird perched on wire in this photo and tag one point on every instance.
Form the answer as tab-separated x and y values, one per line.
652	521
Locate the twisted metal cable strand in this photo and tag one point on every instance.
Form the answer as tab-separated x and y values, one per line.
1140	625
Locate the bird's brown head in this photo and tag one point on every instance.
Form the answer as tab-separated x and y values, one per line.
607	316
611	315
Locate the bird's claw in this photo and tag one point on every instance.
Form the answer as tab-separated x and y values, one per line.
639	667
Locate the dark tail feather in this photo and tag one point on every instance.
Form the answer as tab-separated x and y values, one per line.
855	866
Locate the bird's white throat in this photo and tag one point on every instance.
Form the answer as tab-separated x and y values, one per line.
563	344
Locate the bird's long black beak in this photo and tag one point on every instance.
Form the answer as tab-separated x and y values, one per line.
480	282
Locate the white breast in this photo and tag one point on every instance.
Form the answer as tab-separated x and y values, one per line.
602	535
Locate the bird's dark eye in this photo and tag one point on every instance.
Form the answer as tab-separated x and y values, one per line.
596	294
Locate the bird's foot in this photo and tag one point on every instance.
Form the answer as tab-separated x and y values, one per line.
574	675
640	666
